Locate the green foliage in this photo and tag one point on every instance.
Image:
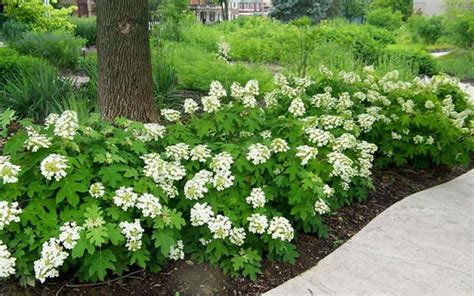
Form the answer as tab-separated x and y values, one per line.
13	64
285	10
458	63
12	29
86	28
164	83
405	7
36	93
421	62
39	16
59	48
430	29
384	18
461	29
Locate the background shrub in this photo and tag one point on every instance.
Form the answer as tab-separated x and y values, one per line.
430	29
461	30
384	18
85	28
59	48
13	64
458	63
422	63
13	29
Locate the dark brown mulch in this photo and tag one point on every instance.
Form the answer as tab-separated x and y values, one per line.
188	278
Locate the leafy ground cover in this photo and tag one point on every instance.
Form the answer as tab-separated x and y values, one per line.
189	278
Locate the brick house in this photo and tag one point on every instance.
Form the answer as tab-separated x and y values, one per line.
245	8
206	11
85	8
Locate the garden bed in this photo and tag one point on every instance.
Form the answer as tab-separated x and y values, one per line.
189	278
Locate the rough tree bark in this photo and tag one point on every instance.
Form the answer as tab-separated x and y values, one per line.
123	51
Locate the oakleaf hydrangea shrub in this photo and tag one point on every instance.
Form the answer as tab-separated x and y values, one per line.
229	186
421	122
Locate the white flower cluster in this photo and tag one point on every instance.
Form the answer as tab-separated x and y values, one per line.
306	153
54	166
163	172
342	166
258	153
212	103
344	142
223	50
149	205
151	132
133	232
66	125
178	151
297	107
256	198
237	236
97	190
328	190
321	207
221	165
349	77
51	119
190	106
196	187
200	153
70	234
318	136
220	226
258	223
201	213
246	94
7	262
35	140
279	145
171	115
9	213
280	228
52	257
177	251
8	171
125	198
270	99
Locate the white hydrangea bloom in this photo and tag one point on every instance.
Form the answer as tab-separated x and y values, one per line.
430	140
125	198
258	223
97	190
220	227
178	151
196	187
222	180
9	213
342	166
306	153
151	132
266	134
201	213
237	236
318	136
51	120
321	207
221	162
396	136
270	99
54	166
66	125
70	234
149	205
217	90
418	139
328	190
366	121
190	106
36	141
258	153
200	153
177	251
344	142
52	257
7	262
280	228
8	171
133	232
297	107
169	189
210	104
171	114
162	171
429	104
256	198
279	145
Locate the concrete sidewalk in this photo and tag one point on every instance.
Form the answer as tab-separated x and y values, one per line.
422	245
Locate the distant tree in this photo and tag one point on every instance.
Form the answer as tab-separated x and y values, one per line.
404	6
287	10
352	9
225	8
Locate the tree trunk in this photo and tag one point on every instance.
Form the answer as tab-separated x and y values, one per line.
123	51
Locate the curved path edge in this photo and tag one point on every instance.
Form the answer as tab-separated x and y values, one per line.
421	245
